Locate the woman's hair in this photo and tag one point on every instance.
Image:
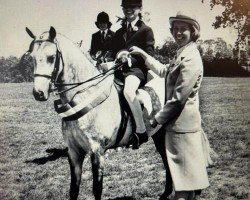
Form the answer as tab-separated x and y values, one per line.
195	34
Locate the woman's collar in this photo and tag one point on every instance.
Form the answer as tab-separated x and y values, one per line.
179	51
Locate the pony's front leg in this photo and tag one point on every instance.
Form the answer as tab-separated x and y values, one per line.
97	161
75	161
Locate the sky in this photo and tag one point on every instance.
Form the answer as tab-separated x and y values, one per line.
76	20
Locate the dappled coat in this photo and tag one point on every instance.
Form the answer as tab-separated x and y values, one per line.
185	140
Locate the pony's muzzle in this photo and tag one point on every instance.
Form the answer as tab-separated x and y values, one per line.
39	95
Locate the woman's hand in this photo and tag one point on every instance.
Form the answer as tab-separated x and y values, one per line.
138	51
153	123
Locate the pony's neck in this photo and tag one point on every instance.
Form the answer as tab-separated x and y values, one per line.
77	67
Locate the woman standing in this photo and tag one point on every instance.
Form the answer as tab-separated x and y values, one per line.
180	116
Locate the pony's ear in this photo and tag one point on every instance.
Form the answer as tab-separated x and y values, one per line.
52	33
30	33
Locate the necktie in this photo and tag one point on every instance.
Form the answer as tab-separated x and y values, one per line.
103	35
129	30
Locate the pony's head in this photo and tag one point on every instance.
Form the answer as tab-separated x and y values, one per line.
46	57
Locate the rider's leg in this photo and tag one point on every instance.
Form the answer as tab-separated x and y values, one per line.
131	85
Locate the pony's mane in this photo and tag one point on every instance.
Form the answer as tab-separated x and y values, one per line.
70	47
68	41
75	58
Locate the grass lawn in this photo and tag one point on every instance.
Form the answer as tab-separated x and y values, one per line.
33	162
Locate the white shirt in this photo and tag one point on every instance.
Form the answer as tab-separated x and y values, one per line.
105	33
133	22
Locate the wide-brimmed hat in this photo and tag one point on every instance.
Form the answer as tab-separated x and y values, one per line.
103	17
126	3
185	17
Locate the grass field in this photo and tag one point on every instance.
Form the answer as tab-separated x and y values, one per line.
33	163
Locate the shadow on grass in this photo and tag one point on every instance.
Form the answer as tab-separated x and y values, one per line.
54	155
123	198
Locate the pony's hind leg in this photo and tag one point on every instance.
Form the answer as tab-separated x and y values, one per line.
97	161
75	162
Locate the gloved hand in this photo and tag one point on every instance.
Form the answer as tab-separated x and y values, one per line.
123	57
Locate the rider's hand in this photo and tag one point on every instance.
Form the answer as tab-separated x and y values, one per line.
122	56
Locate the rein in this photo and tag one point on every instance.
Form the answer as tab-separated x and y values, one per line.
117	66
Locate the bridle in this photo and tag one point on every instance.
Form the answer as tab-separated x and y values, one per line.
56	75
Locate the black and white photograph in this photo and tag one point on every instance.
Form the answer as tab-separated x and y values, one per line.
124	99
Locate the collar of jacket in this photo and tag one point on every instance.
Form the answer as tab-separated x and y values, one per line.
182	52
139	23
105	32
133	23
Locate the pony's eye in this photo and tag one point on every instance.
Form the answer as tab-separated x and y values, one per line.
51	59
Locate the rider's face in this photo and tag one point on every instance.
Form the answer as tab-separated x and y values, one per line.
131	12
103	26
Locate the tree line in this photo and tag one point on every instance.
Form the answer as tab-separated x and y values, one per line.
219	59
16	70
